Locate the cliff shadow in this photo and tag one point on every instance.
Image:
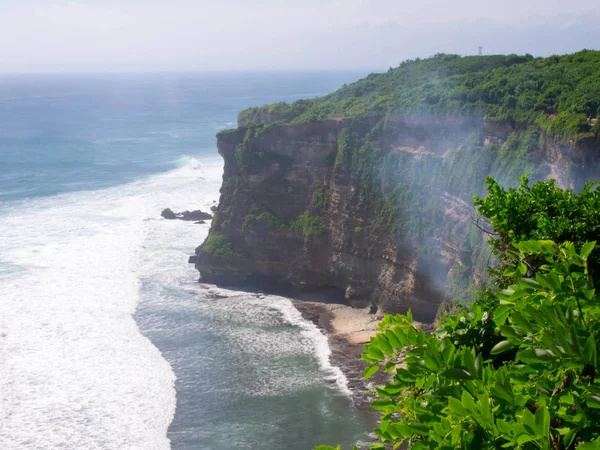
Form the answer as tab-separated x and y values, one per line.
263	284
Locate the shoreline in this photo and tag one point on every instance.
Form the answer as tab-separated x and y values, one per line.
347	329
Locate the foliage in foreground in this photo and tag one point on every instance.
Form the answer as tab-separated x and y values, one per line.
519	367
328	447
541	211
538	388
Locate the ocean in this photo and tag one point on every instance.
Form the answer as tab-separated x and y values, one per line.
107	340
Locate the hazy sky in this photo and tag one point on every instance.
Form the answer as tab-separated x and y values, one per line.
156	35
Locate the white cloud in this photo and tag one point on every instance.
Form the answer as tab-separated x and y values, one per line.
109	35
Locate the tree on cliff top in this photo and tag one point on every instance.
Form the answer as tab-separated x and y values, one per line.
560	94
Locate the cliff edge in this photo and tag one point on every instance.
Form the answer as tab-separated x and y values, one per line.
374	204
377	208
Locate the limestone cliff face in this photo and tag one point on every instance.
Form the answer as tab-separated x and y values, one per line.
378	208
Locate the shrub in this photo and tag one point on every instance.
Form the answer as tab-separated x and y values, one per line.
320	199
232	182
541	211
218	244
255	216
537	389
308	225
305	223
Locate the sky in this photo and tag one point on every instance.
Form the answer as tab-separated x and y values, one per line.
223	35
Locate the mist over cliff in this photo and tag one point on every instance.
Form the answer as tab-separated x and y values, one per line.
368	190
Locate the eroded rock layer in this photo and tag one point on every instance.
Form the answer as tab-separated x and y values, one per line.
378	208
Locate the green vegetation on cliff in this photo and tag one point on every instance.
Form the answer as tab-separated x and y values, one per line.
518	368
320	200
416	198
306	223
276	112
411	150
218	244
558	93
247	154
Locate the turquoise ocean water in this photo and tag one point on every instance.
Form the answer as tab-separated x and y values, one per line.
106	339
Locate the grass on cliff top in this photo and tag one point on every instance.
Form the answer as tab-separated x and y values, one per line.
558	93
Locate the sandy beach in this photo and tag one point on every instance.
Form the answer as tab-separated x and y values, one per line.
347	330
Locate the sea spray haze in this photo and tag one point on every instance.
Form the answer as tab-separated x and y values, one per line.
517	368
368	189
86	165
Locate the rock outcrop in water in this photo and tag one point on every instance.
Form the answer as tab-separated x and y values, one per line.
378	208
196	215
168	214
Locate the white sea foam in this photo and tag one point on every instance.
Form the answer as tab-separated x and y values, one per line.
321	346
312	340
75	372
189	162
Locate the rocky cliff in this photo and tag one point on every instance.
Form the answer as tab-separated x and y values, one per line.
377	207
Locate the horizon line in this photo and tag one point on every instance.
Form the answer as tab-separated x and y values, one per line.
190	71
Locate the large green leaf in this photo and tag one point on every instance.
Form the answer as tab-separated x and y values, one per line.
542	421
384	344
381	404
589	446
370	371
375	352
587	248
430	362
456	407
393	340
501	391
536	355
501	347
593	401
589	352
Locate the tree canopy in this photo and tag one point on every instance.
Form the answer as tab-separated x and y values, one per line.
561	94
